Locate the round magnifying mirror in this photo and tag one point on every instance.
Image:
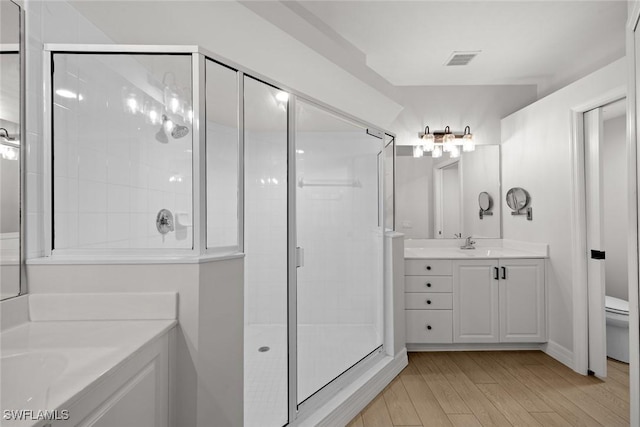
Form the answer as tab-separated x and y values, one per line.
517	198
485	201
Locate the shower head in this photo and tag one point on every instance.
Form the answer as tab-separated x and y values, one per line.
176	131
179	131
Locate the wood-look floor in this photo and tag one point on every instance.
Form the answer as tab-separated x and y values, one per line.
505	388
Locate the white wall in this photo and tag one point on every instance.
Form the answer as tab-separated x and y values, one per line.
414	188
47	22
208	382
450	198
615	207
536	155
232	30
481	172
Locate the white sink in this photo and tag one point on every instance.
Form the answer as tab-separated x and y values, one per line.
26	377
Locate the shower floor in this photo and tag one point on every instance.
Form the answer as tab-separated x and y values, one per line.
324	352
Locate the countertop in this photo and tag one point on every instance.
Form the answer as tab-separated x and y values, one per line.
48	365
491	249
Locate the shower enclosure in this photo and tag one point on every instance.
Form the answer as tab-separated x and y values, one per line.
173	151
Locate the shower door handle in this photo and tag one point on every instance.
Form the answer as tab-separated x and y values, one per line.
299	257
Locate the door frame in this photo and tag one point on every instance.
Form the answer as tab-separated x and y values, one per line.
594	239
634	208
579	259
579	227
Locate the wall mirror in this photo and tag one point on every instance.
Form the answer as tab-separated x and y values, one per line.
437	198
517	198
10	155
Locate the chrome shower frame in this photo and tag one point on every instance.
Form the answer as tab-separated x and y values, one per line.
297	412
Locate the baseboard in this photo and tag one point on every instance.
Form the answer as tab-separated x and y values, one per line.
558	352
350	401
475	347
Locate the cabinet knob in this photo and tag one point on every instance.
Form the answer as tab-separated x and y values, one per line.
428	285
428	301
428	267
429	327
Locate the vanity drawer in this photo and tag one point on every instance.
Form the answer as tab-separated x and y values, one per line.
428	284
429	326
428	267
428	301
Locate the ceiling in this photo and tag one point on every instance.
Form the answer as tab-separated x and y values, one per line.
520	42
549	43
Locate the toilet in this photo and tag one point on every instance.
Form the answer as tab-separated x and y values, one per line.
617	313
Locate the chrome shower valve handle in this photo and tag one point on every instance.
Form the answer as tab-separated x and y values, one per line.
164	221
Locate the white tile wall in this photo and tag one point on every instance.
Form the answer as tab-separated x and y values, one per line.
338	228
48	22
121	174
222	185
266	227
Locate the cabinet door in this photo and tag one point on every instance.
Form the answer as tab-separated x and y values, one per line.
522	301
475	301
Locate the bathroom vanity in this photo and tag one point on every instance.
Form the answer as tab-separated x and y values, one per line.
491	294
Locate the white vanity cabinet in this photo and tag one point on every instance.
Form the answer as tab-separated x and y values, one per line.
522	301
475	301
428	301
499	301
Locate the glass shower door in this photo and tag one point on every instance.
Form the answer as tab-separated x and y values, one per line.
339	230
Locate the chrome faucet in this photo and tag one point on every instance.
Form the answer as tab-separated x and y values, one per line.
468	244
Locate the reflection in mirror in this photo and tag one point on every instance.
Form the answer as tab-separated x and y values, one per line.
10	120
485	201
437	198
517	199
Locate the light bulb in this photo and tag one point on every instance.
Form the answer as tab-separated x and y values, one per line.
418	151
152	113
448	141
9	153
132	105
467	143
131	101
428	141
437	152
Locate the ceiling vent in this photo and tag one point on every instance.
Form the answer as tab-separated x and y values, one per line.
461	58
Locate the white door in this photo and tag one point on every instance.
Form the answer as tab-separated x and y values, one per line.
475	301
522	308
593	136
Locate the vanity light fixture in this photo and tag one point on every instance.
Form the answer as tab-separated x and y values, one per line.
444	141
